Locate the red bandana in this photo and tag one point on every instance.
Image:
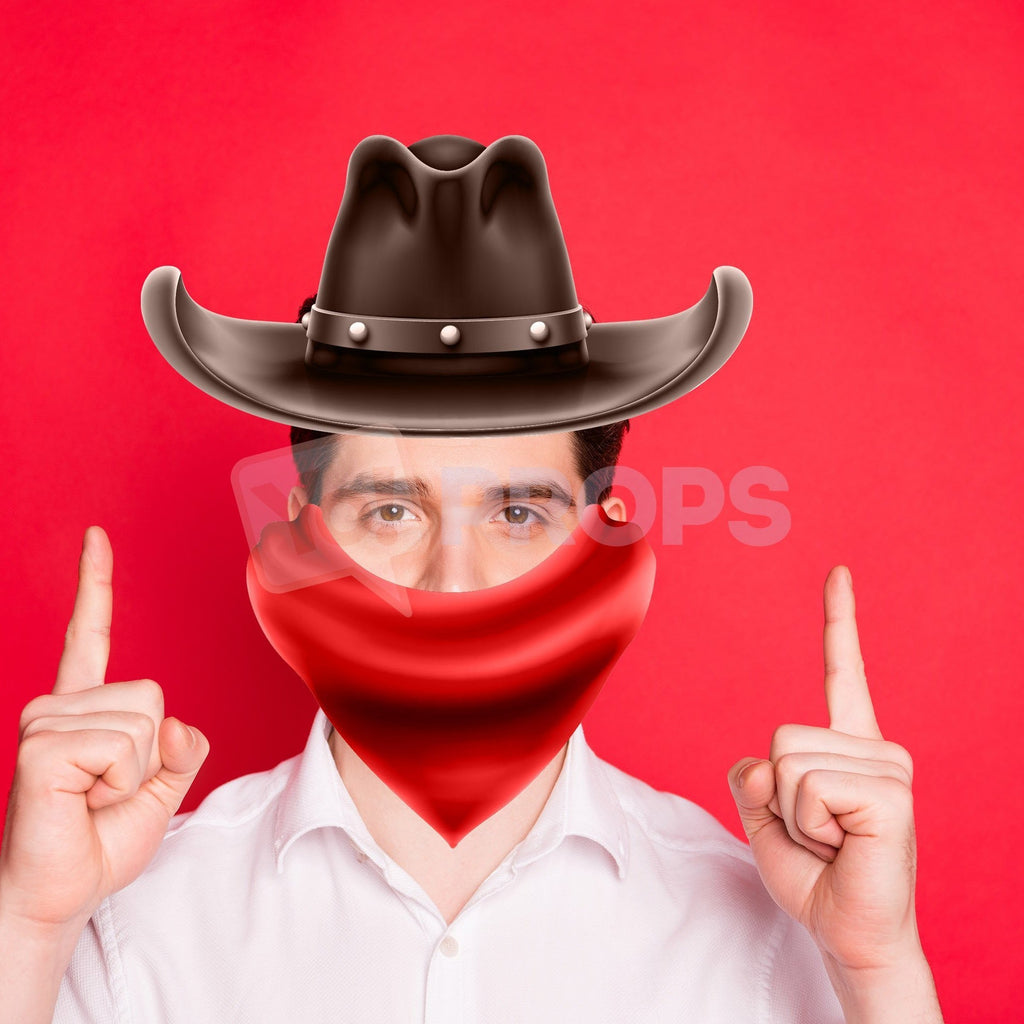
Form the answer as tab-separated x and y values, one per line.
455	700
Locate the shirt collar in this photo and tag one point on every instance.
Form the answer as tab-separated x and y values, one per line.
315	796
582	803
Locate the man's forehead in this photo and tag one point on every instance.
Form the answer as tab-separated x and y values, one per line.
501	455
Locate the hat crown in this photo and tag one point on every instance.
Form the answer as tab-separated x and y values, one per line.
446	228
446	152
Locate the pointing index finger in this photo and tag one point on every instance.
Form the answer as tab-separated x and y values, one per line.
846	686
87	641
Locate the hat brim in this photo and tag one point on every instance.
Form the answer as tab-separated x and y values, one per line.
259	367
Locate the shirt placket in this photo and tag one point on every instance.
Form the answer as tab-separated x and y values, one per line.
444	1001
445	998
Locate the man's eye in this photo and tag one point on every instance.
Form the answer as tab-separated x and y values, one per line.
518	515
390	513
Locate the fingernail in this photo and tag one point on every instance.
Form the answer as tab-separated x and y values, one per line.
741	779
189	732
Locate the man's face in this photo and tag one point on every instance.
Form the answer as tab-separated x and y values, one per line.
448	513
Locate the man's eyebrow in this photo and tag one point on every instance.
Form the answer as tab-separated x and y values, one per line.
367	483
550	490
362	484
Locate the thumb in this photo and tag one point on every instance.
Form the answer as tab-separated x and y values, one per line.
752	781
183	750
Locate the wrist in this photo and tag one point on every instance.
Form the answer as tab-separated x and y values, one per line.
901	992
45	947
26	915
36	955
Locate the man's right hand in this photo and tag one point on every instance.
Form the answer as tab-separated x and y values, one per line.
99	774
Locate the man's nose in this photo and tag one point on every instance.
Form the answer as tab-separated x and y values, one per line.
455	565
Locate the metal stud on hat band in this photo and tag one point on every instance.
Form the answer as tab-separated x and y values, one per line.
473	336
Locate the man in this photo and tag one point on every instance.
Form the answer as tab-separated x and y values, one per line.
197	938
313	891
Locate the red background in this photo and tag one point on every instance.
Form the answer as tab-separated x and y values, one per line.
861	163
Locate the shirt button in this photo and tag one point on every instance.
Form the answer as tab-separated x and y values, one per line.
449	946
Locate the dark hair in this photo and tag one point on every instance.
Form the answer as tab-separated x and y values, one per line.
595	449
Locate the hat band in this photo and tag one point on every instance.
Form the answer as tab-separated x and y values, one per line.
448	338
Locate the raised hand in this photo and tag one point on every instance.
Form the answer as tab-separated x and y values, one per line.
830	815
99	773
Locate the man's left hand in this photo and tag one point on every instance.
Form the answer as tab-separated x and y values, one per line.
830	815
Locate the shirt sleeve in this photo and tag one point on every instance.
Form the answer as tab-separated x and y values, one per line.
92	989
800	989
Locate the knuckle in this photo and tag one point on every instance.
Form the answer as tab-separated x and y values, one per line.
788	767
894	798
35	748
808	785
812	785
846	666
141	727
783	740
36	725
78	629
34	709
901	756
151	693
904	774
121	746
900	794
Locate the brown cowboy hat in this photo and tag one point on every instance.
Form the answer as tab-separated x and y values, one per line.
446	307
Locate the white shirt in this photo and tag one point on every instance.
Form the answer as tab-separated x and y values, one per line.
272	902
